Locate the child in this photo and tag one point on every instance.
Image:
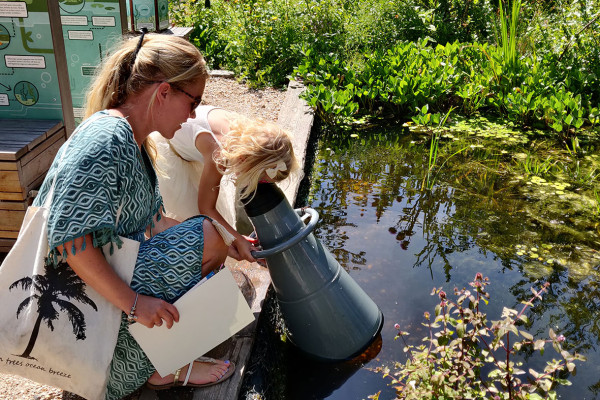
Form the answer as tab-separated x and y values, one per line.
213	144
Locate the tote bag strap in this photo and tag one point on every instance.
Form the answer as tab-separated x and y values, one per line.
50	195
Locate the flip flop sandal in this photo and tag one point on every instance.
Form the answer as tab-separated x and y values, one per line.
177	383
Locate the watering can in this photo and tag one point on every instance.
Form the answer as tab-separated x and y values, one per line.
328	316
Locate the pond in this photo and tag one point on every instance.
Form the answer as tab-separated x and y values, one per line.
485	209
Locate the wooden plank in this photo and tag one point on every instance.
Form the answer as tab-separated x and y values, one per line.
9	234
12	196
14	205
8	166
14	193
11	220
25	126
31	124
17	137
39	165
35	185
236	349
58	135
20	137
10	182
6	245
9	153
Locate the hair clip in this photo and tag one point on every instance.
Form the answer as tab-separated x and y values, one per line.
272	172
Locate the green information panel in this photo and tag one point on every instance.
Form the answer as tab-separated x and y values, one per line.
29	85
90	28
150	14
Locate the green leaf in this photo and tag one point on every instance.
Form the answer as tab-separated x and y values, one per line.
526	335
569	119
557	126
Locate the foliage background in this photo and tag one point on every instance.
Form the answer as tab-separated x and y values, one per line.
365	58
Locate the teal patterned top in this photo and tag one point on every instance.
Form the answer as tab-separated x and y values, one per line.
102	169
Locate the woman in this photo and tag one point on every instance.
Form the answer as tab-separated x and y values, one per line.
106	186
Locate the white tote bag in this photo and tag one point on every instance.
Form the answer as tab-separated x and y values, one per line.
54	329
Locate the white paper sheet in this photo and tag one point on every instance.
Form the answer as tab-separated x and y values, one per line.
209	314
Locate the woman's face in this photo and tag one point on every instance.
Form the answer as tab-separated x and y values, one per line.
181	105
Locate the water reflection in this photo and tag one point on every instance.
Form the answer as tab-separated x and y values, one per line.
314	379
398	241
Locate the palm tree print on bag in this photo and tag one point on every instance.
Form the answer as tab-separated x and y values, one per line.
52	290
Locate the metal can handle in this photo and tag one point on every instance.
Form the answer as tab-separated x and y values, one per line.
304	232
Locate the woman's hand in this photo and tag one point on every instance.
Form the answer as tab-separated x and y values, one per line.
152	312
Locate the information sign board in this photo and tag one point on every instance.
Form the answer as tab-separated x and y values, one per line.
90	28
32	72
150	14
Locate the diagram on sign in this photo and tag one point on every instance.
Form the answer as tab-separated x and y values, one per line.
26	93
71	6
28	76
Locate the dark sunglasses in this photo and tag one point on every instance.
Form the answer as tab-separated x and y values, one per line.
196	101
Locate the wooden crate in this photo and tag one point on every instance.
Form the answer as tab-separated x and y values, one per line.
27	148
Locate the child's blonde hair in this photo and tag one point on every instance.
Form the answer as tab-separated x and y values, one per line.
253	149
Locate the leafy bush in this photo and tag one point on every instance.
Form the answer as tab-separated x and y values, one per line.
465	356
389	58
456	20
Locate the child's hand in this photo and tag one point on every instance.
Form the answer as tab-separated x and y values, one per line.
242	248
256	244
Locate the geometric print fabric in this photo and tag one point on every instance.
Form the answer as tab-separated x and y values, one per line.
102	170
168	265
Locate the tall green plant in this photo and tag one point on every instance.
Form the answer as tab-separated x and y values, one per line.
508	31
425	119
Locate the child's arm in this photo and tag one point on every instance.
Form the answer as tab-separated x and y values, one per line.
208	192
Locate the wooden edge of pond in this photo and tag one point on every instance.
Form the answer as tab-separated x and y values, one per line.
297	118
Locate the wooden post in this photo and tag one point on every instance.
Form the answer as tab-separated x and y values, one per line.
61	65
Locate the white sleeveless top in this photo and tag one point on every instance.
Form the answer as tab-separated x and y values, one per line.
184	141
179	171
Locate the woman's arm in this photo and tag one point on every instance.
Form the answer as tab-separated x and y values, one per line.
208	192
91	266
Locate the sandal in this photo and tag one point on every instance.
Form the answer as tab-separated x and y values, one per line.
177	383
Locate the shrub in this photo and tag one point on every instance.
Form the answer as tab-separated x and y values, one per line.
462	345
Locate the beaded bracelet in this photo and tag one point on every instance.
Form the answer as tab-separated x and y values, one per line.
132	317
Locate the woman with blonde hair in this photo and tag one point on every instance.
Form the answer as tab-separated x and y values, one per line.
106	187
214	144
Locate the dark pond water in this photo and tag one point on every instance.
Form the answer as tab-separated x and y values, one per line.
399	241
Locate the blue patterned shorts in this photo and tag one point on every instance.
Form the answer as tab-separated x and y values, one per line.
168	265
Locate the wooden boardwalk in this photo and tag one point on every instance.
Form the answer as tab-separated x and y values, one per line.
254	280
